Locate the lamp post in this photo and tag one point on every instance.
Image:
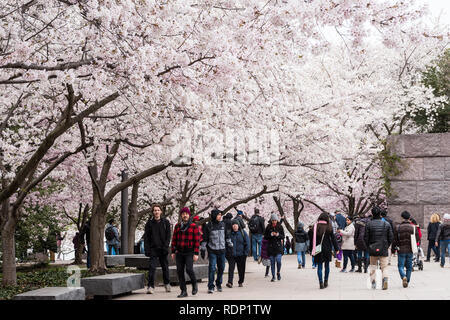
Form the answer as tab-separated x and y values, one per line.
124	217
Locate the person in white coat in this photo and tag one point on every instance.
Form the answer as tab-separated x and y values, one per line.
348	244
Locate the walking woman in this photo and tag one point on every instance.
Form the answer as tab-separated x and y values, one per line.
274	233
433	226
321	244
348	244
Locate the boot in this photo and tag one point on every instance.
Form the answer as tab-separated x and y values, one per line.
325	283
194	288
321	285
366	265
359	262
183	294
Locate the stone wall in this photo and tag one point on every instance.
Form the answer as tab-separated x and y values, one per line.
423	187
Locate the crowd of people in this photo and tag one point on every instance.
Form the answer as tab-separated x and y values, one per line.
366	242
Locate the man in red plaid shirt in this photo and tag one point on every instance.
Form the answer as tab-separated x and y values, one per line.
185	249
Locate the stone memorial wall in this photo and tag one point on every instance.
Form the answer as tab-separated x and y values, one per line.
423	187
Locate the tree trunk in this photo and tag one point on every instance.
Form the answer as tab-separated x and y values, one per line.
97	244
8	250
132	226
79	253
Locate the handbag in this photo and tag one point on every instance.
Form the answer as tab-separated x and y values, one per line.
319	246
413	241
266	262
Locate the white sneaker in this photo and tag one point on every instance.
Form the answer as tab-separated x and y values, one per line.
150	290
168	288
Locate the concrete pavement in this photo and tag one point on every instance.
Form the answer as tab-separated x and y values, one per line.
433	283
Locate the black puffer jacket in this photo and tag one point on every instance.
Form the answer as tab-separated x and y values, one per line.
443	232
402	236
275	245
360	227
378	233
432	230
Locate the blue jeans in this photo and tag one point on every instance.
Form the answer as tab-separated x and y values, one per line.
348	254
301	258
431	246
405	260
445	245
314	264
113	249
256	245
276	259
214	259
327	270
360	254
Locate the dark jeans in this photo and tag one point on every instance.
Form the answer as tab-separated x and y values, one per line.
360	253
214	259
153	263
319	270
276	259
349	254
185	261
240	263
435	249
405	260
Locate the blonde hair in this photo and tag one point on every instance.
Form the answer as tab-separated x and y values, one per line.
435	218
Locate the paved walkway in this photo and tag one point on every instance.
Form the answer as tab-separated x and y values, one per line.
433	283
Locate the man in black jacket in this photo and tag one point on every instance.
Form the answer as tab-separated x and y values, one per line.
378	237
402	243
156	244
256	227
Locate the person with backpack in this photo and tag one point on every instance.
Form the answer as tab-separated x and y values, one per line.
185	249
215	240
301	245
256	227
274	233
378	236
239	218
362	254
156	245
238	253
403	245
112	238
321	244
443	238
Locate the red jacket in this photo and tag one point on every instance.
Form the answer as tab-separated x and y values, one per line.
186	241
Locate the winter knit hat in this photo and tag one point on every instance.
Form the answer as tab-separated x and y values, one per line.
185	209
447	217
239	212
274	217
234	221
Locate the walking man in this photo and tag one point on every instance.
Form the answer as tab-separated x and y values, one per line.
156	245
443	235
402	243
185	249
215	239
378	237
362	253
256	227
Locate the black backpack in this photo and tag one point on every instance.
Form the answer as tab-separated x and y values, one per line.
109	233
253	224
